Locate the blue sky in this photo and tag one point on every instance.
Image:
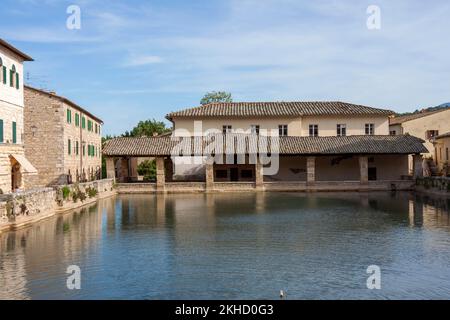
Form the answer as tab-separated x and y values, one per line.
134	60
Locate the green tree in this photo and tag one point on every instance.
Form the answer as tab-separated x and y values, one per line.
147	169
147	128
216	96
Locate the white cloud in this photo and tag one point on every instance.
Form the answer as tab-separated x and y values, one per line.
142	60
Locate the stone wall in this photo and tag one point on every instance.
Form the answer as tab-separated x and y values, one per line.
19	209
47	134
434	185
43	136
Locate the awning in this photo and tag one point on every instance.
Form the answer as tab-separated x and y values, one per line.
26	165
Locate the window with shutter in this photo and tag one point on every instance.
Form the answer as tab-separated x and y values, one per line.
17	81
14	132
4	74
1	131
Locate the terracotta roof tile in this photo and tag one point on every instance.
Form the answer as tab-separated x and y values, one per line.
165	146
278	109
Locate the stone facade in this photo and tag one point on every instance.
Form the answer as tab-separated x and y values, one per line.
62	140
13	174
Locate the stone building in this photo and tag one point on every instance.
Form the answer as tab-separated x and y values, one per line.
276	145
62	140
16	172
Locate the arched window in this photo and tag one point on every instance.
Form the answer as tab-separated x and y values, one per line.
2	72
14	77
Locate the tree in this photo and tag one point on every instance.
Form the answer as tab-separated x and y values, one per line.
147	128
216	96
147	168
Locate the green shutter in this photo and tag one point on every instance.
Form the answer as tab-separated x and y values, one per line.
17	81
11	78
83	122
14	132
69	146
4	74
77	119
1	131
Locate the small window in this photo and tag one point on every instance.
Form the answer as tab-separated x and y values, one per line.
77	148
282	130
393	132
430	134
370	129
341	130
254	129
77	119
83	122
69	147
446	154
313	130
226	129
221	174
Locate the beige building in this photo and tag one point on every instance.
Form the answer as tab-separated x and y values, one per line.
441	153
424	125
310	145
62	140
16	172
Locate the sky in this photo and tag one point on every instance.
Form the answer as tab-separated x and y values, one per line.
136	60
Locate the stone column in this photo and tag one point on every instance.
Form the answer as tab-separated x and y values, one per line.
110	170
417	166
160	174
310	170
209	174
259	175
363	169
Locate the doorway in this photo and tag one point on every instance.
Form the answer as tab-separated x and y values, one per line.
234	174
372	174
16	176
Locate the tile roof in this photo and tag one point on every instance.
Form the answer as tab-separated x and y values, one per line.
278	109
414	116
165	146
13	49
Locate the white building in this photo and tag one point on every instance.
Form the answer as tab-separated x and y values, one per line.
16	172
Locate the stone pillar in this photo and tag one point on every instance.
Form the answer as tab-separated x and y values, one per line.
259	175
110	169
209	174
160	174
363	169
311	170
417	166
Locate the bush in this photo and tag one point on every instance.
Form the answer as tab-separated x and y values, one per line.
92	192
65	192
147	169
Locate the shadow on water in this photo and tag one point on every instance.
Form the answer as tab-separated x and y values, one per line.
235	246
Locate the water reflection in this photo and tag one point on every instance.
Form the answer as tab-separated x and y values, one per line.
238	245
